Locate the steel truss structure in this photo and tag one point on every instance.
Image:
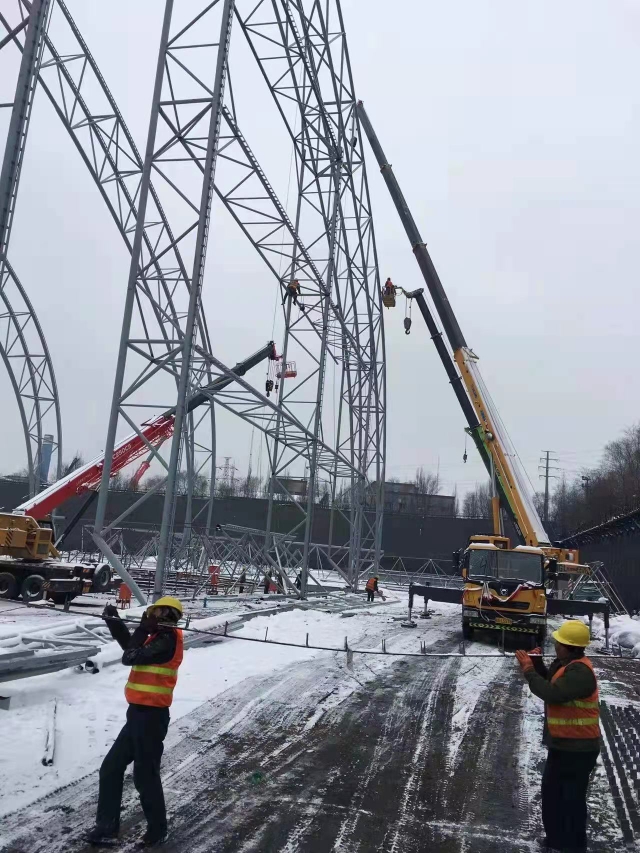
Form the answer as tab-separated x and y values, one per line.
234	557
161	203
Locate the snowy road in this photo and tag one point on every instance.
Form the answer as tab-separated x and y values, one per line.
390	754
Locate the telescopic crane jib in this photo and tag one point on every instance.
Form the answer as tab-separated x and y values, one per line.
504	585
483	420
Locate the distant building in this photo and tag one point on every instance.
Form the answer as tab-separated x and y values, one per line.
404	497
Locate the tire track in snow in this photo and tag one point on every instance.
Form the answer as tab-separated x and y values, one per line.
395	840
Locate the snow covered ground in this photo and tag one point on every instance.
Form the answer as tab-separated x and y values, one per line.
91	707
433	759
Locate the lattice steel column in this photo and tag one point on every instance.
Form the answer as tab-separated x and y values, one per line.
183	129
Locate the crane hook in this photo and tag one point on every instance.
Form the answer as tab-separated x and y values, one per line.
407	325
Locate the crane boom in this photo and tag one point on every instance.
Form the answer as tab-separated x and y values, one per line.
150	437
484	423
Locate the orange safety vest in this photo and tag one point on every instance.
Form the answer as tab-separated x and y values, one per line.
371	584
153	685
578	718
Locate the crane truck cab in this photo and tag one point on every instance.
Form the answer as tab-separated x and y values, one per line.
504	588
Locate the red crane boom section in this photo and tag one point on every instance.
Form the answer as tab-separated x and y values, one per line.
89	475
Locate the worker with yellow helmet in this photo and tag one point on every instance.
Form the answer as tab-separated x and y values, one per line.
569	688
154	653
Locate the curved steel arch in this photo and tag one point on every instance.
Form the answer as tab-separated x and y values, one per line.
23	347
24	351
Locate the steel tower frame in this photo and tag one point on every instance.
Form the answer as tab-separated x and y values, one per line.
79	94
302	53
330	246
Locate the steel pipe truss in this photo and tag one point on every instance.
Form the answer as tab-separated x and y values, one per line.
328	244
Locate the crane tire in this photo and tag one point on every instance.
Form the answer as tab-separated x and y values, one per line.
32	588
8	585
101	579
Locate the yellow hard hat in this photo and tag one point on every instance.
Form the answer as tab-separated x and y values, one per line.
572	633
168	601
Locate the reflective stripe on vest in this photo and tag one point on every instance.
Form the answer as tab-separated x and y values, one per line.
153	685
578	718
371	584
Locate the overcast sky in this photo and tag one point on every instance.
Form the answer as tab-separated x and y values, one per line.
514	130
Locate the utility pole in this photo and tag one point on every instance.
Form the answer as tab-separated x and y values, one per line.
546	468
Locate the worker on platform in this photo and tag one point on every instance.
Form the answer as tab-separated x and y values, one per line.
293	291
154	652
372	587
569	689
389	288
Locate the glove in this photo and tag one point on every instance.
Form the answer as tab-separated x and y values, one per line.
149	623
526	664
110	612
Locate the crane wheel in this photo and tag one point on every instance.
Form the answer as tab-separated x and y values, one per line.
8	585
101	579
32	588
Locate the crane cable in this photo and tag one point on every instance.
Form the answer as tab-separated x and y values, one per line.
345	648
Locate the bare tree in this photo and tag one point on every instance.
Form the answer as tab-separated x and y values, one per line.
250	487
611	488
427	483
477	503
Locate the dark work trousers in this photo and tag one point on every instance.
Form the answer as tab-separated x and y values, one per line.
564	797
370	595
140	741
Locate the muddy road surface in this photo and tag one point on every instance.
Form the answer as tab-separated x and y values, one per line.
375	754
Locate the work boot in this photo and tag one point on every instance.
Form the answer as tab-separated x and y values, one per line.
99	837
153	838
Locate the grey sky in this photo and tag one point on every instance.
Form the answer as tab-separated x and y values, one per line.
513	129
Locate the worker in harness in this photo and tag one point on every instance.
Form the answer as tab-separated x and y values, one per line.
372	588
389	294
293	291
154	652
569	689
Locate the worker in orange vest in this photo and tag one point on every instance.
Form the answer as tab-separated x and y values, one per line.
154	652
372	588
293	291
569	689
